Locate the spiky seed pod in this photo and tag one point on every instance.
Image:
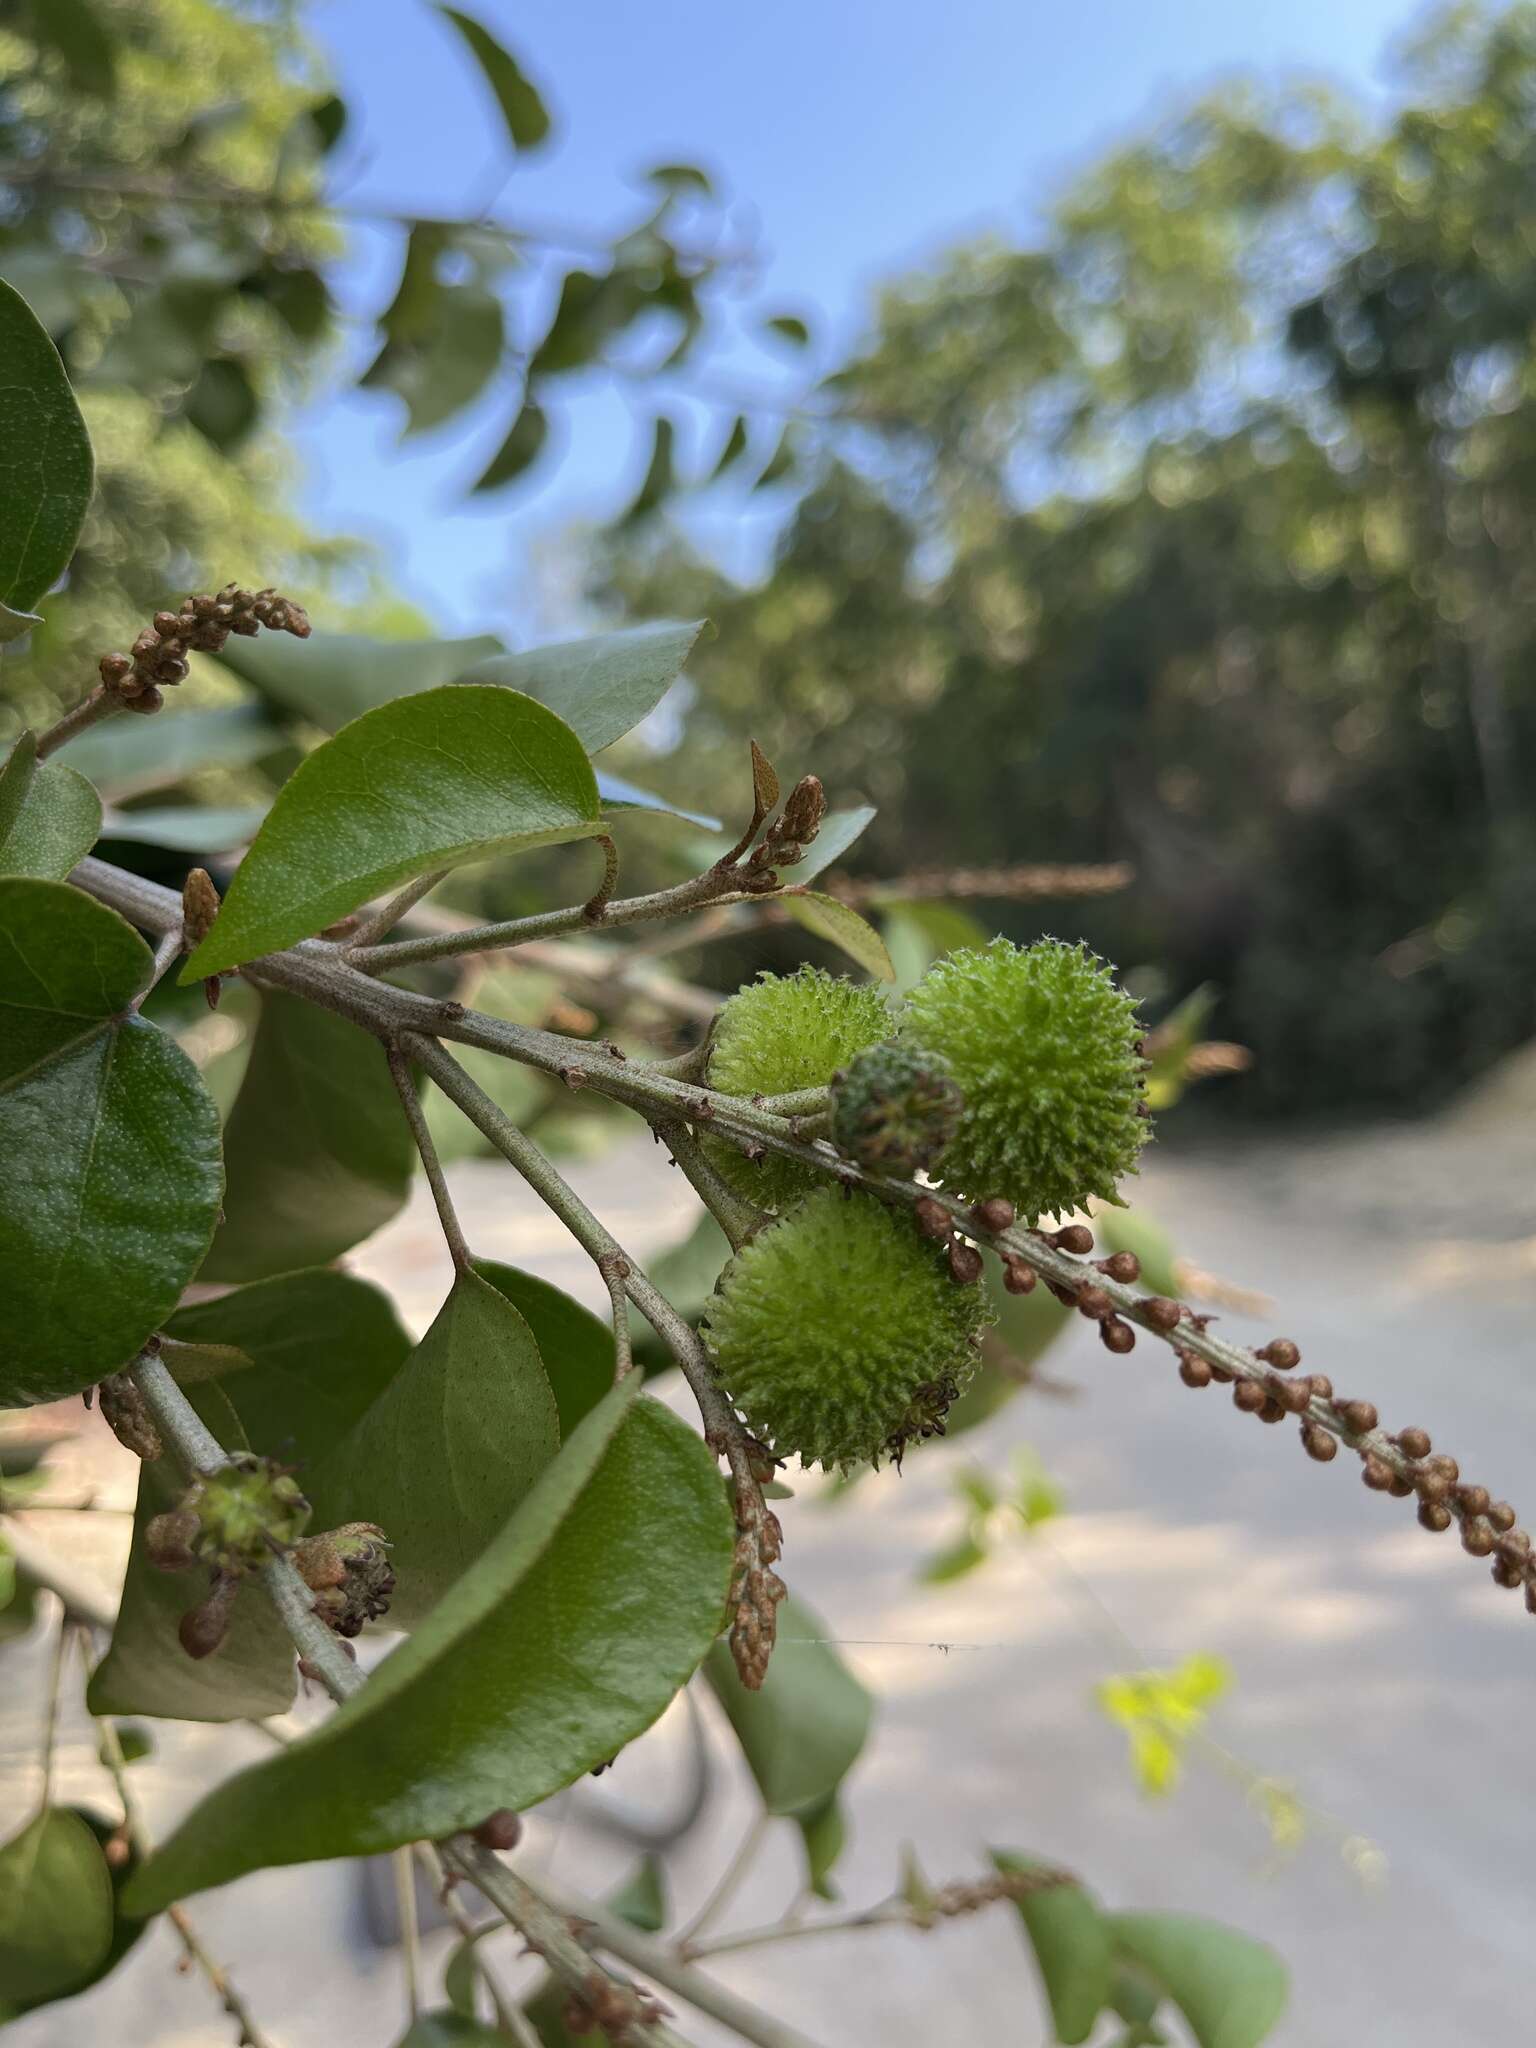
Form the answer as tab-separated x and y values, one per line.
839	1333
895	1108
1043	1046
775	1036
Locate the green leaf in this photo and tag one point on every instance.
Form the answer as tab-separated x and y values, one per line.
602	687
619	796
449	1449
449	366
1231	1988
55	1911
658	481
460	1976
186	828
954	1561
74	28
317	1151
562	1642
841	925
825	1835
521	449
222	403
1071	1943
127	757
575	1345
735	446
333	677
46	469
16	625
125	1860
18	1597
521	107
839	829
642	1898
789	327
111	1146
681	178
432	781
322	1347
50	817
802	1732
328	118
1172	1043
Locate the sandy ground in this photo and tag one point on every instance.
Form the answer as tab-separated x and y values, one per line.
1377	1672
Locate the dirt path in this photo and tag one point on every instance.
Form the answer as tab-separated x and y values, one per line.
1377	1672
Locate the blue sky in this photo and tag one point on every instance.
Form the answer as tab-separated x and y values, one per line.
859	136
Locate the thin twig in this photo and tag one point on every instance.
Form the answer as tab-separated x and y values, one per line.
101	703
167	953
718	885
509	2016
615	1271
112	1756
756	1588
388	915
410	1930
447	1215
740	1219
50	1731
726	1885
595	909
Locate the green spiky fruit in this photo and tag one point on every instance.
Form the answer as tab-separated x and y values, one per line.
839	1334
895	1108
775	1036
1043	1045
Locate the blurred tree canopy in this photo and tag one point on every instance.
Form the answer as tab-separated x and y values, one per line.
1201	531
173	204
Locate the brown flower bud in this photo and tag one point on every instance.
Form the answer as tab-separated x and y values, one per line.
1473	1500
1433	1516
1292	1395
199	905
995	1214
1322	1387
1376	1473
1501	1514
1122	1266
964	1263
1477	1538
146	702
168	1539
1076	1238
1318	1443
1272	1410
1117	1336
1017	1277
1413	1443
115	669
502	1829
1359	1416
1161	1313
1249	1396
1094	1303
932	1218
203	1628
1194	1371
1281	1353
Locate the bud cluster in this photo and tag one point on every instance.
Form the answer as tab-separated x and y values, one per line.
349	1573
786	840
230	1521
202	625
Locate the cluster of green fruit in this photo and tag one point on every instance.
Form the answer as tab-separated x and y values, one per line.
1015	1073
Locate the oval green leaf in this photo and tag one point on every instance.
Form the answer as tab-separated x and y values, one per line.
802	1731
562	1642
313	1351
333	677
575	1345
601	687
431	781
839	830
841	925
449	1449
521	107
317	1152
1231	1988
56	1918
110	1141
50	817
48	468
1072	1949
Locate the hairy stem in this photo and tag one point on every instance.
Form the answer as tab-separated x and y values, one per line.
718	885
101	703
